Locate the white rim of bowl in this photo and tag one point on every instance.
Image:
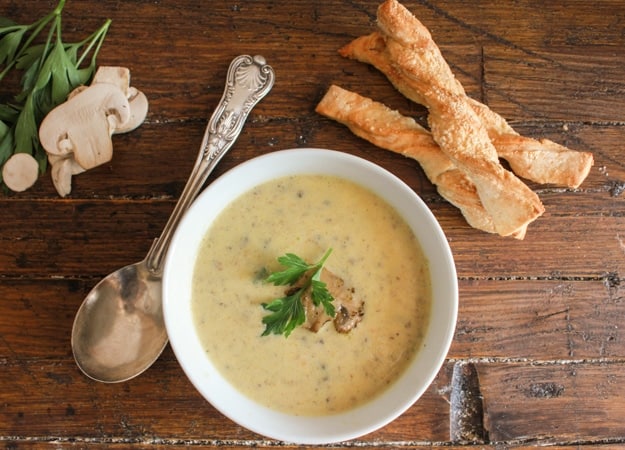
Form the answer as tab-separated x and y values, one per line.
354	423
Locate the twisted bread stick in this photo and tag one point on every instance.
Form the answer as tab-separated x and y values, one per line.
458	131
542	161
454	124
392	131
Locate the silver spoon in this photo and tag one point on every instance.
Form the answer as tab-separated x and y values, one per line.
119	329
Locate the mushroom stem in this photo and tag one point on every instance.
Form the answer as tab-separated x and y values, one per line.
20	172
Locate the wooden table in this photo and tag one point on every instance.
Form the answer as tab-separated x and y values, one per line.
539	351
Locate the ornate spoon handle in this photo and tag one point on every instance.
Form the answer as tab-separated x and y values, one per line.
249	79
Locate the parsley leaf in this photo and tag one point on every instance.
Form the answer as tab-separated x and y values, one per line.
288	313
320	294
295	268
10	42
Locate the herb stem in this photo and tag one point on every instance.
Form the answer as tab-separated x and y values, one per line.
59	7
324	257
96	39
56	27
38	26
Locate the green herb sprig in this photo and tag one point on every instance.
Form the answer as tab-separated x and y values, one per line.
50	71
288	313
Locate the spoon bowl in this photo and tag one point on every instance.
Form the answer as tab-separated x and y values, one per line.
130	334
119	330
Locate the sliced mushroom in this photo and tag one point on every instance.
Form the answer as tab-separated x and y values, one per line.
117	76
62	170
349	308
120	77
138	111
77	134
20	172
83	121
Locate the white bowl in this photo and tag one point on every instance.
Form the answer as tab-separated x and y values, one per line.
177	286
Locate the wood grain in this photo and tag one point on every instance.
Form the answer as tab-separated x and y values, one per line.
538	353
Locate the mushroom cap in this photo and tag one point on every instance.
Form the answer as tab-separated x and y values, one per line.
81	124
138	111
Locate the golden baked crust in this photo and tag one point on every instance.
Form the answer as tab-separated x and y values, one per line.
461	152
454	124
541	161
390	130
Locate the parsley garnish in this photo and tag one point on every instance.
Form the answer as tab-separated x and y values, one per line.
50	71
288	313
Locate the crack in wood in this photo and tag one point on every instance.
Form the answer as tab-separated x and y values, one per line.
466	418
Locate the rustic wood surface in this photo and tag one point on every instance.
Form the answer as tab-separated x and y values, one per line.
539	351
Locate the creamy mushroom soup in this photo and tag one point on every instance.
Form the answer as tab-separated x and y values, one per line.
374	251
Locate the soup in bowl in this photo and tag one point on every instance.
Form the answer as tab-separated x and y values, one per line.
335	376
